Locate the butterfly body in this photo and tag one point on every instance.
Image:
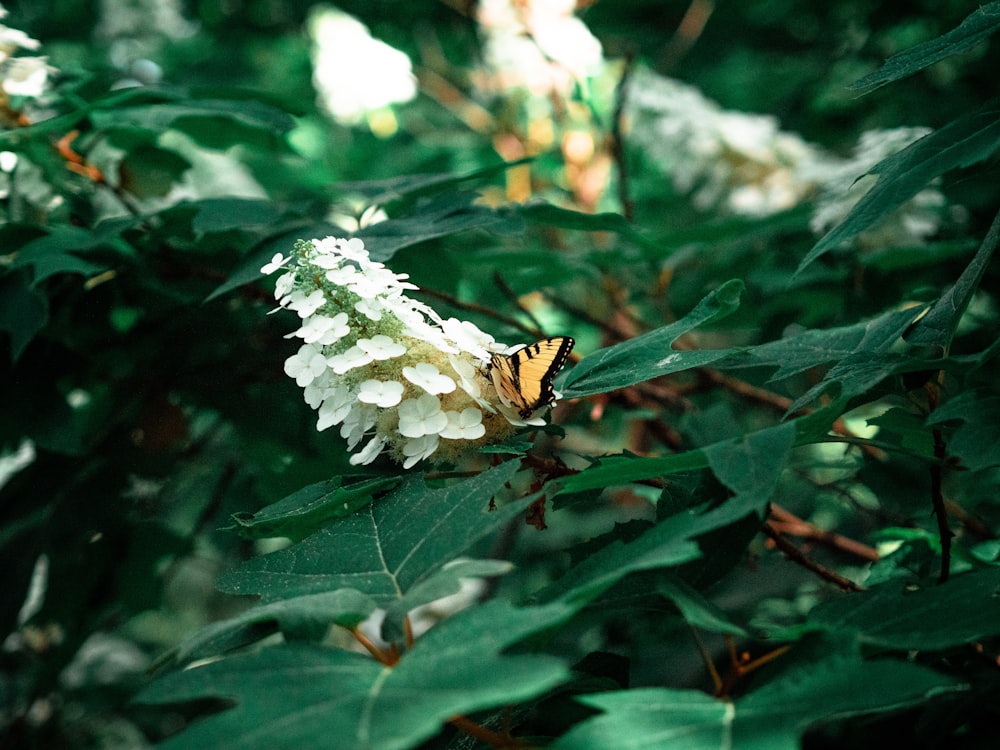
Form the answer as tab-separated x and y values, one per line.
523	378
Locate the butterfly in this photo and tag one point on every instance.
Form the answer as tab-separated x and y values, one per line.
523	378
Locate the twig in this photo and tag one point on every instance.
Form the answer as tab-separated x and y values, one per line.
617	144
788	523
796	555
937	476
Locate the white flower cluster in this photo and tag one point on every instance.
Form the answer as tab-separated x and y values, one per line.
537	44
744	164
20	76
386	368
740	162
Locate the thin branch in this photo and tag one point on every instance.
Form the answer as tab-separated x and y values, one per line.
796	555
788	523
937	477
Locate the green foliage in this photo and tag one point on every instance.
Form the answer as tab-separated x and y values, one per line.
765	514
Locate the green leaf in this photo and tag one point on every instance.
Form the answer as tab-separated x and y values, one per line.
650	355
698	612
310	508
975	29
668	543
812	348
335	698
445	581
24	311
161	115
447	215
549	215
961	143
900	427
651	718
929	617
381	192
976	439
618	470
387	547
751	464
248	270
225	214
872	361
56	251
819	685
937	327
311	612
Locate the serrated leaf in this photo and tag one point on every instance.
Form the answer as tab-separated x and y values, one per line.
961	143
826	685
976	439
937	327
334	698
871	362
975	29
665	544
311	507
387	547
650	355
315	612
929	617
618	470
812	348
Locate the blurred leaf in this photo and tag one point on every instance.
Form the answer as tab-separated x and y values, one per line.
161	115
973	31
548	215
976	439
56	251
23	311
650	355
899	616
446	215
829	685
224	214
458	667
963	142
412	186
388	546
311	508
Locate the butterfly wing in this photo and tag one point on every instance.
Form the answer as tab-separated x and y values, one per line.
523	379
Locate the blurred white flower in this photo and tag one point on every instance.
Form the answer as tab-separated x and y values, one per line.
20	76
744	164
537	44
406	383
356	75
